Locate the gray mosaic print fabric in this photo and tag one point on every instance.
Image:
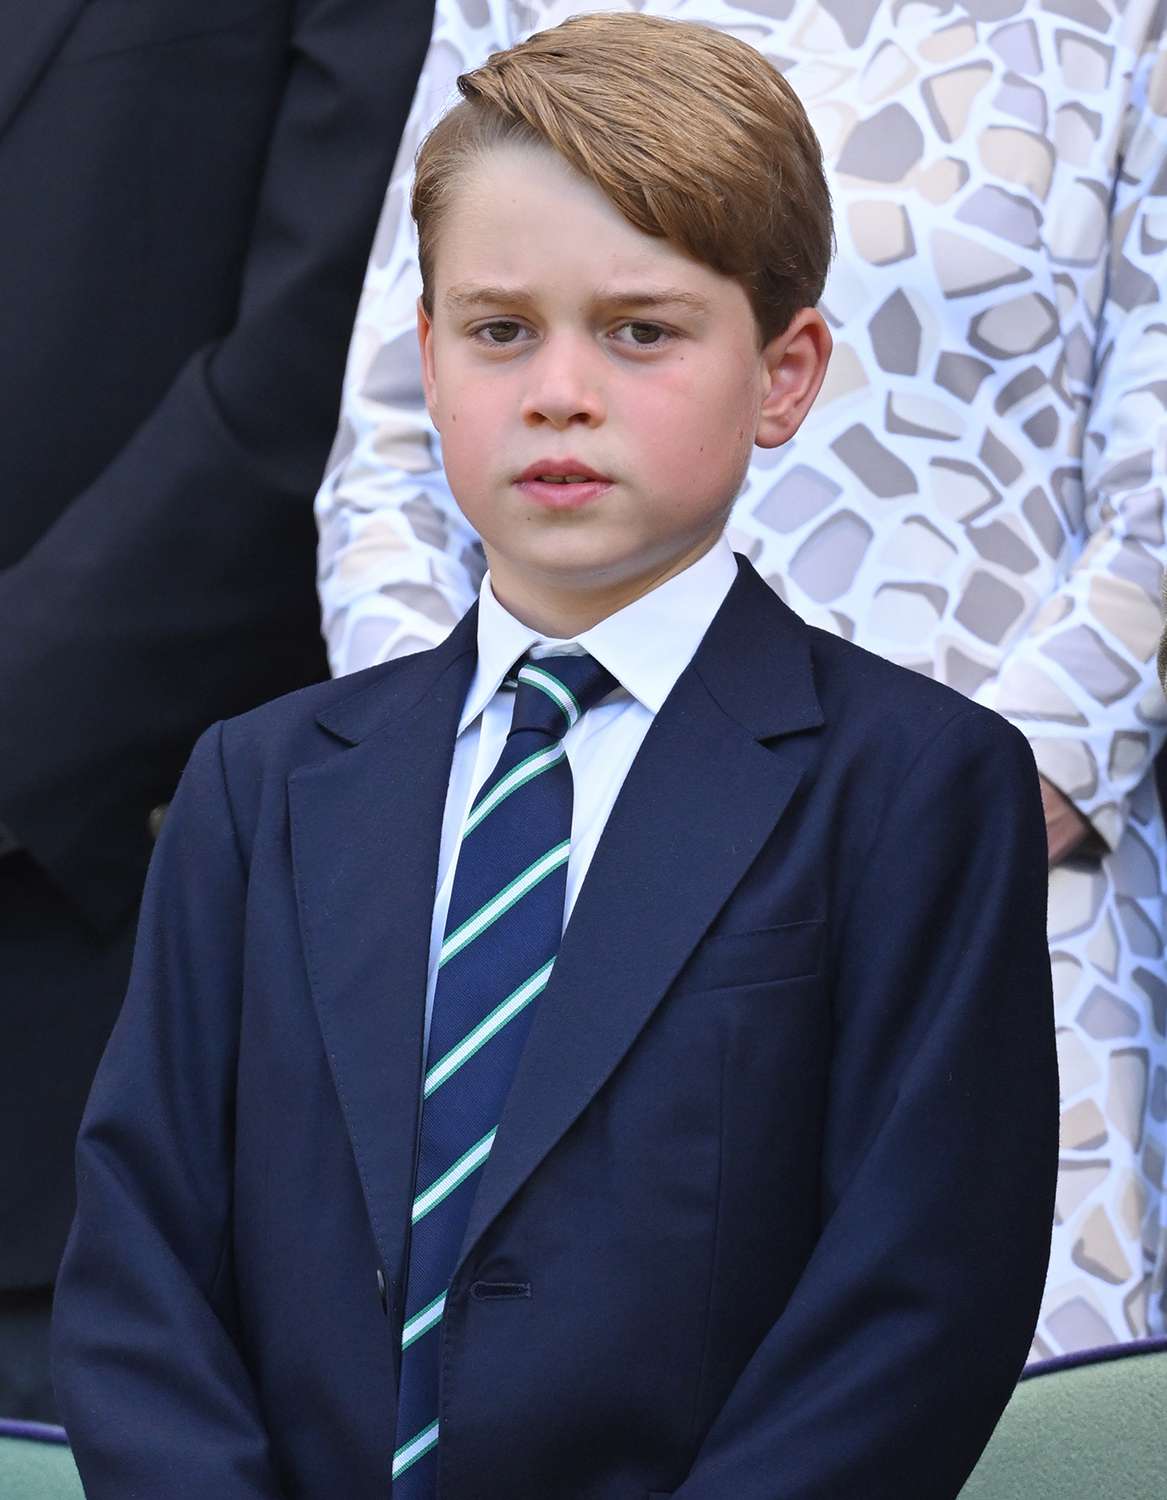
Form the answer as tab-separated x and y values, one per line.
978	494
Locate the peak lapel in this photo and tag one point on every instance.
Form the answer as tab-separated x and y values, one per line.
700	801
366	832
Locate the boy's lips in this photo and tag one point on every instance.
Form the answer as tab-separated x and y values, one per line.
562	483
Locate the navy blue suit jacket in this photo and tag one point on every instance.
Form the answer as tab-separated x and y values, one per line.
768	1210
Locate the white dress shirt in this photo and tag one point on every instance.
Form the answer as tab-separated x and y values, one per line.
646	646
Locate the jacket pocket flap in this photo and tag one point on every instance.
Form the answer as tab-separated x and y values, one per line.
768	954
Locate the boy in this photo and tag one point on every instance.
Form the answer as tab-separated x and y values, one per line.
610	1054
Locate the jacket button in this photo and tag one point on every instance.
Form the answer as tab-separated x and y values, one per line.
154	819
382	1291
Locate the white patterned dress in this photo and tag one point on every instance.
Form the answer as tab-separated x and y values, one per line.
978	493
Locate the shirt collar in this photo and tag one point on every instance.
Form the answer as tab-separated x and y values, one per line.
646	645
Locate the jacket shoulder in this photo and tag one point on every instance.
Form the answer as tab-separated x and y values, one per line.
285	727
308	726
897	709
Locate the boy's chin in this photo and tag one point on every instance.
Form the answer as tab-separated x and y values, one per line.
578	576
570	565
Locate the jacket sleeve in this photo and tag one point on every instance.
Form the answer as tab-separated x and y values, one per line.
148	1375
890	1365
1081	682
178	588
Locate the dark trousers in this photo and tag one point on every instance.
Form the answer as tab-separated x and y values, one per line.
61	986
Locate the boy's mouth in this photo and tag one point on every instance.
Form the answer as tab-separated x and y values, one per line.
562	483
561	471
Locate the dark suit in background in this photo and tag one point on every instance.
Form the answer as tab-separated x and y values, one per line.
188	191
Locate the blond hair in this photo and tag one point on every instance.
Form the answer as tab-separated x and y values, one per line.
693	136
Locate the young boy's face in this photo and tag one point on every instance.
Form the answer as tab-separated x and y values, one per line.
565	342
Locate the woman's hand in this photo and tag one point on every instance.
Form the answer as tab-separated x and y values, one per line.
1065	826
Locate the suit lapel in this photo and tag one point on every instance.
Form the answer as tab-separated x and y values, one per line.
712	779
30	32
366	832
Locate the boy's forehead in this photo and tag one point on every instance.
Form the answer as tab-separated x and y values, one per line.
523	223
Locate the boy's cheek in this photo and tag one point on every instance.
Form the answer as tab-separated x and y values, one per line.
681	460
480	493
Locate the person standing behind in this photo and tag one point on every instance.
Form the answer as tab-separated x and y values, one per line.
978	492
189	190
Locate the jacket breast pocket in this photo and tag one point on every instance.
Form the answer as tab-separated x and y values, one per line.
766	955
106	27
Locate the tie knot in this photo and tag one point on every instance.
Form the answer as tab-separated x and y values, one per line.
554	691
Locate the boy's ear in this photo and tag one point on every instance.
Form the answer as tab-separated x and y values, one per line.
425	343
796	362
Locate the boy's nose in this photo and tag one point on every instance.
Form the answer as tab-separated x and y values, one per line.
565	387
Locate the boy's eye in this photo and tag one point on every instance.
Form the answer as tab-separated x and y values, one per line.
501	331
644	334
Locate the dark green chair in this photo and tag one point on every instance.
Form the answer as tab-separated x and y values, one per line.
35	1463
1089	1426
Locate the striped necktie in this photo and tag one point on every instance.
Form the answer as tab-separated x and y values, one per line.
503	932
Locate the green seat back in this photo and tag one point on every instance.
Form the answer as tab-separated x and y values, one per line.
1091	1429
33	1469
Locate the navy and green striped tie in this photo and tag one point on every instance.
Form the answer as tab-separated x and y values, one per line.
503	932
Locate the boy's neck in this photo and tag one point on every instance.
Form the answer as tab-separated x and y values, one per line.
562	614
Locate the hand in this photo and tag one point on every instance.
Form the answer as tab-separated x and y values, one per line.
1065	827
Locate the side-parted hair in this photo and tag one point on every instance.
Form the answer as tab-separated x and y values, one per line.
693	136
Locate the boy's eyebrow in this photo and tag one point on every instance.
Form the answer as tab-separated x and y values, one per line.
467	295
665	296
